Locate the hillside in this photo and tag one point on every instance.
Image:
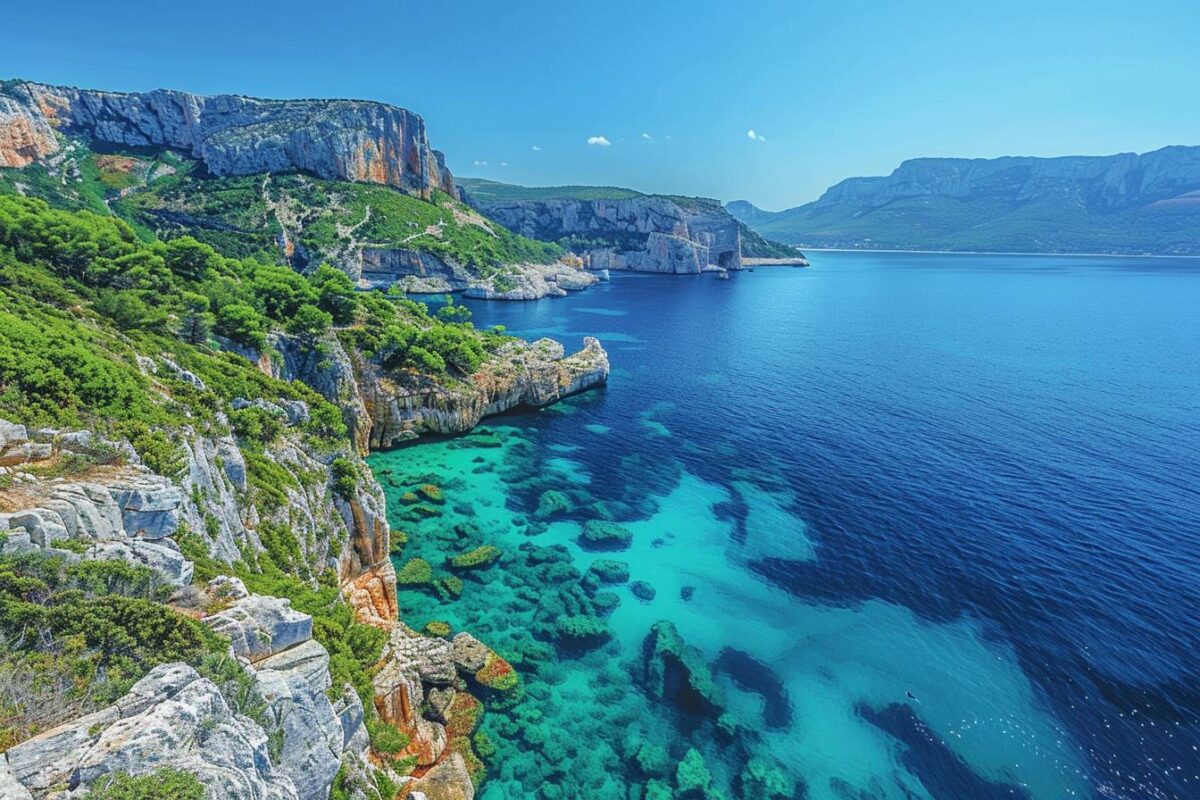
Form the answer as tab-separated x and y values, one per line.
614	228
1126	203
283	181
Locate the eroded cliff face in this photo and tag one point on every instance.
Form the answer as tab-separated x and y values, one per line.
387	408
402	406
352	140
644	234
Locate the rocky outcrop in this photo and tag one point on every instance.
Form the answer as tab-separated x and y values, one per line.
421	272
645	233
232	135
176	718
403	406
119	512
173	717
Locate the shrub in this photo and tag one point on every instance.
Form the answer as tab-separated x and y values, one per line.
345	477
162	784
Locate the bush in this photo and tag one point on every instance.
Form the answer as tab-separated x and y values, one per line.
345	477
243	324
162	784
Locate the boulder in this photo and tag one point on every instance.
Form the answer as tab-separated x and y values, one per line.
43	525
12	433
294	685
468	653
150	505
25	452
162	556
446	780
259	626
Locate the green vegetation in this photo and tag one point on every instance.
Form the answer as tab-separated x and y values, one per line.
162	784
75	637
105	327
485	191
755	246
249	216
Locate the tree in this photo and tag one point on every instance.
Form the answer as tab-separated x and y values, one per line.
243	324
279	292
190	259
335	292
453	313
309	323
196	322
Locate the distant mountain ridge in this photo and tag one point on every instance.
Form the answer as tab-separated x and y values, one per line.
1126	203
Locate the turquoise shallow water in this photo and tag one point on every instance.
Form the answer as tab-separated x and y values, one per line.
930	522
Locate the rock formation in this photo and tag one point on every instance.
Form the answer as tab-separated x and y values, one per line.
352	140
403	406
646	233
175	718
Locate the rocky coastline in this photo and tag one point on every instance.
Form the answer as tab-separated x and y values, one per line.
311	733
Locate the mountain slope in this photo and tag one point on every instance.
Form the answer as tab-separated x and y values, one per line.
1126	203
298	183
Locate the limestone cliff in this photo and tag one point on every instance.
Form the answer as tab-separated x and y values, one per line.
619	229
387	408
232	135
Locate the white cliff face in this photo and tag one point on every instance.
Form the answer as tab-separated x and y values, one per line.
173	717
643	234
233	135
176	718
523	374
126	513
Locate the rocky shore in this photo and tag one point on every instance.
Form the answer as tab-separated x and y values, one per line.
311	732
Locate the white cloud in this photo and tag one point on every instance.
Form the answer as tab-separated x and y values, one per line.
481	163
537	148
598	141
504	163
758	137
647	137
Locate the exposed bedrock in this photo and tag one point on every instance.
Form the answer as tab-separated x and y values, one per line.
402	406
644	234
353	140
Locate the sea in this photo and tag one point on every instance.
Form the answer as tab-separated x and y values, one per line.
927	524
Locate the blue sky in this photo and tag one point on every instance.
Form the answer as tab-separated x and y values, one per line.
831	89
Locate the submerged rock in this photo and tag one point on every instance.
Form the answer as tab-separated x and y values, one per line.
601	535
676	673
642	590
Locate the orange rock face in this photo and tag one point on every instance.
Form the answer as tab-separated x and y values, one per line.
372	595
21	143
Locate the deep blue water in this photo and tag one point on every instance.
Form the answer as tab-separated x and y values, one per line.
1013	439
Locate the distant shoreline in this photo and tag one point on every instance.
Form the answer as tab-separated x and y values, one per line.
983	253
